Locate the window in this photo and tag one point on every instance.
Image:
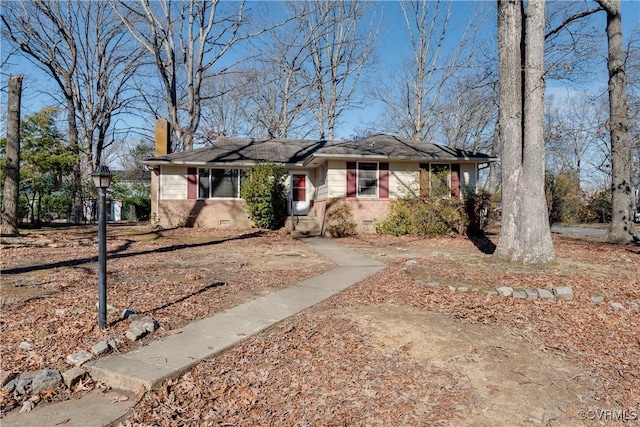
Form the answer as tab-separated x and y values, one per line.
218	183
367	179
440	179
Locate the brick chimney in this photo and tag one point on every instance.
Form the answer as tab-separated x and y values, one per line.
163	137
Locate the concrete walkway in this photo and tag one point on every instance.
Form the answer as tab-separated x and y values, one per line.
170	356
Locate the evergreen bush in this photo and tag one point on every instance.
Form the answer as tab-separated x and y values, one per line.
263	190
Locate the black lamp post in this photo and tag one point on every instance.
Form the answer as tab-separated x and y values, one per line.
102	178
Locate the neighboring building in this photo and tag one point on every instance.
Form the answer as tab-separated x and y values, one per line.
201	188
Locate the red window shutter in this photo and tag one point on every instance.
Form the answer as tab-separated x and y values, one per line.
192	183
455	180
351	179
383	180
424	180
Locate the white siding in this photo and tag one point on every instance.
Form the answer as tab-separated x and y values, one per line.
468	176
337	178
404	179
322	188
173	183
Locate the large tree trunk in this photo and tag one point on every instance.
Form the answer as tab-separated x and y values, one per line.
510	121
535	236
524	235
12	178
621	227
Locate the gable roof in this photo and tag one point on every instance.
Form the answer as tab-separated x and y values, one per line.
302	152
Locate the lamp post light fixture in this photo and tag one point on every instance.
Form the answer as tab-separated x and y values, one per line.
102	179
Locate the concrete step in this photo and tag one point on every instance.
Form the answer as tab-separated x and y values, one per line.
305	226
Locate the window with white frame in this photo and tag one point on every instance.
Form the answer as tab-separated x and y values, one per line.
440	180
367	179
219	183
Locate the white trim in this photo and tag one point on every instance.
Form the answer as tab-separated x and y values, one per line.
375	196
237	197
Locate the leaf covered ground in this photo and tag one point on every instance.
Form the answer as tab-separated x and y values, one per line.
388	351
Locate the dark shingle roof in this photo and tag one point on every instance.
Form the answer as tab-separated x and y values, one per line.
240	151
393	147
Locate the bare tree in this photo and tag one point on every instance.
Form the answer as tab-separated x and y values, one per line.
341	49
281	97
9	221
224	106
621	226
574	137
186	40
107	60
412	93
525	235
468	112
42	32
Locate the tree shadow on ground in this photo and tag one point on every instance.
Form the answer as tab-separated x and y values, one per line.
483	242
205	288
115	254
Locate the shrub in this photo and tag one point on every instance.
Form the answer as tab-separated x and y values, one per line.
597	207
263	190
340	221
142	207
431	217
563	197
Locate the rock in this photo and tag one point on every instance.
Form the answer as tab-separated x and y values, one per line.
531	293
135	332
519	294
60	312
45	380
634	304
536	421
563	293
25	345
146	322
545	294
617	306
597	298
22	386
463	289
29	375
451	288
72	376
505	291
126	313
419	282
5	377
100	348
77	359
411	262
433	284
491	293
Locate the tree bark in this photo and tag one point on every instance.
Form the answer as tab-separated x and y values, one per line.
535	236
525	235
621	226
12	178
510	121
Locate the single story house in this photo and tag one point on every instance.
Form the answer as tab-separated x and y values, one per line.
201	188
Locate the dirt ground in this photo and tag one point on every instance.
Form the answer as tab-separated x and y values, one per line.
392	350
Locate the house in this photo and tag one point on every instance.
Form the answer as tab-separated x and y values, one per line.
201	188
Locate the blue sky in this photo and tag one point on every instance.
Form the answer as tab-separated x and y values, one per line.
394	47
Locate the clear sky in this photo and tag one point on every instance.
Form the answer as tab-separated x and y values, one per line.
394	47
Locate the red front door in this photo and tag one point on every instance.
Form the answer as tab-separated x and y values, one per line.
299	194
